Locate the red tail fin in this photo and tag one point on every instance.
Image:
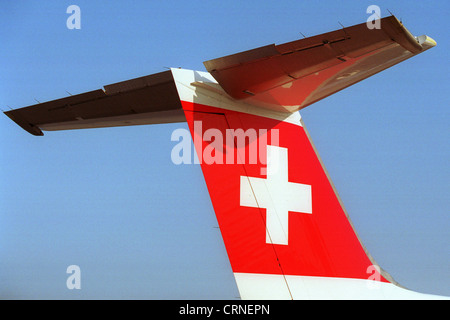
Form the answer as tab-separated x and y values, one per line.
283	225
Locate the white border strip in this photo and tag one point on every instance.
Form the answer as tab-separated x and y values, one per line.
201	87
253	286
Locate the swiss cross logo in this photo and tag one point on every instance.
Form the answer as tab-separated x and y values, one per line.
276	194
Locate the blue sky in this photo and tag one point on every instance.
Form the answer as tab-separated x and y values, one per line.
140	227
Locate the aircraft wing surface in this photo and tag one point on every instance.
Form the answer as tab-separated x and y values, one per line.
145	100
286	78
296	74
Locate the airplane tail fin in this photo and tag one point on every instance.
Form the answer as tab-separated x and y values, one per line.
285	229
286	232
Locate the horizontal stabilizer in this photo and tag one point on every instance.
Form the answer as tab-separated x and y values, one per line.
145	100
293	75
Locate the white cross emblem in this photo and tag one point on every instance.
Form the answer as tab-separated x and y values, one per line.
277	195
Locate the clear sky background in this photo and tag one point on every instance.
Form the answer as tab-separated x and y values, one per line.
140	227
